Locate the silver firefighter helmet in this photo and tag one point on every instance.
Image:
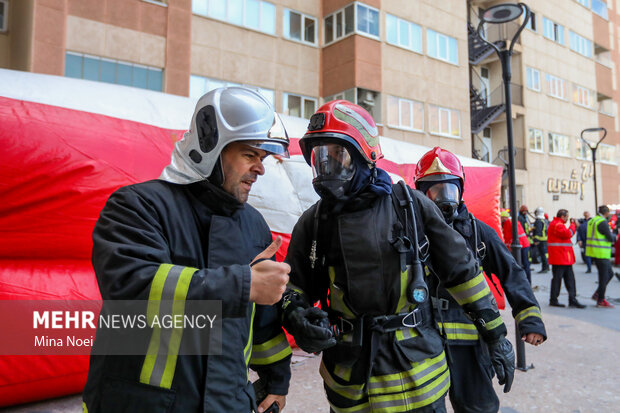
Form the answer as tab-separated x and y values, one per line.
223	116
539	213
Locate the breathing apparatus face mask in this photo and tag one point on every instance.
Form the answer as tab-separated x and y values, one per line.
447	197
333	169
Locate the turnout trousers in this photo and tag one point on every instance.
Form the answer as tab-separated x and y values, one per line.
471	389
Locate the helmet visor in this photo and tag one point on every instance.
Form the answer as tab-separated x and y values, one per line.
332	160
444	192
272	148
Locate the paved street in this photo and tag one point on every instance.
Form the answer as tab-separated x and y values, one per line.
576	371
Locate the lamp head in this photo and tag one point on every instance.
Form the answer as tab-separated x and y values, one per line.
502	13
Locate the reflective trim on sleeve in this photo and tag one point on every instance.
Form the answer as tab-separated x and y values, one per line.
271	351
559	244
247	351
459	331
528	312
490	325
470	291
170	285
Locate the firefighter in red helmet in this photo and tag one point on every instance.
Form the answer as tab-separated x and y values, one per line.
440	176
358	251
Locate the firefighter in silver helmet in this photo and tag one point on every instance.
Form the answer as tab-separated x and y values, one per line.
191	236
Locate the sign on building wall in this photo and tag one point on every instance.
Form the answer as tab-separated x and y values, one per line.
574	185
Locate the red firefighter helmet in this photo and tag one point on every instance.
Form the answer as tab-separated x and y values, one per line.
341	120
523	208
439	165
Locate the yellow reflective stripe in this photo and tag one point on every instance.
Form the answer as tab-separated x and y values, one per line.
170	285
402	300
351	392
247	351
178	308
157	286
84	408
470	291
360	408
336	295
417	368
405	333
412	399
459	331
271	351
342	371
490	325
423	373
528	312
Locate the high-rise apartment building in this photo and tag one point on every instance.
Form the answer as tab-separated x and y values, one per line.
414	64
564	81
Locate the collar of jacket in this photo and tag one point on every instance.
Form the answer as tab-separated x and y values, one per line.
215	198
462	221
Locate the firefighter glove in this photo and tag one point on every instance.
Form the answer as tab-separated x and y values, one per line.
503	360
310	327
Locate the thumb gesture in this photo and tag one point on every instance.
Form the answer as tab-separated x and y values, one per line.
268	252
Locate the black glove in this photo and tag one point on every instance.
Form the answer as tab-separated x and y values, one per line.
310	328
503	360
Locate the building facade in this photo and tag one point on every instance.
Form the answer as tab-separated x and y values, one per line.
564	81
411	63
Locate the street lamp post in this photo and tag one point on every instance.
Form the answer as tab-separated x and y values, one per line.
593	149
499	14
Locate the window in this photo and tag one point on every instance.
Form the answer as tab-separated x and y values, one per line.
403	33
553	31
444	121
300	27
582	96
580	44
199	85
600	7
4	15
585	3
556	86
559	144
405	113
606	107
254	14
531	23
536	140
606	153
533	79
356	17
441	47
300	106
100	69
367	20
583	150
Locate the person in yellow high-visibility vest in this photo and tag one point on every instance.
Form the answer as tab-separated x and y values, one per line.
598	246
